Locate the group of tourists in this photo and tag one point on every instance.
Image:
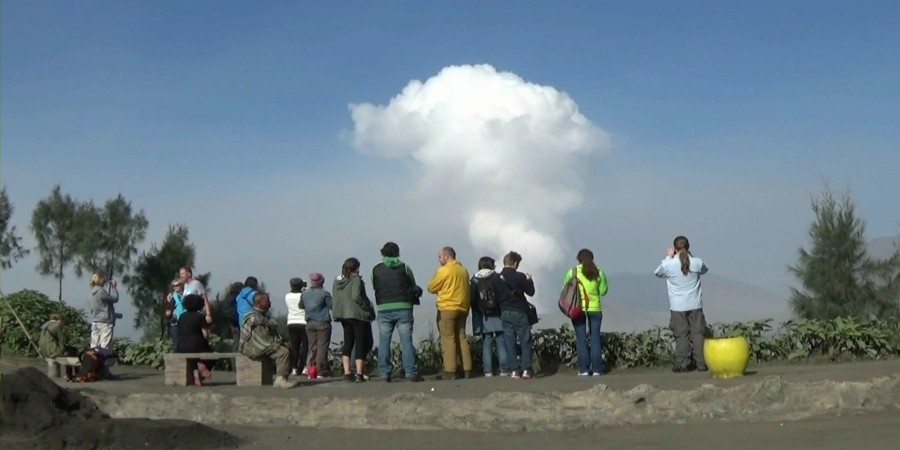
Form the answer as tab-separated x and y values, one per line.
497	300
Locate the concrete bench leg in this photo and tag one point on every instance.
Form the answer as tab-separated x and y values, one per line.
176	371
254	372
53	368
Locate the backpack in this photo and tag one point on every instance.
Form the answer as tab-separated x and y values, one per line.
487	301
572	297
91	366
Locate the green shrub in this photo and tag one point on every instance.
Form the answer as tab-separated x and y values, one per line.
35	308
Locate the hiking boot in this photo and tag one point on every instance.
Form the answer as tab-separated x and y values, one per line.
283	383
467	374
449	376
349	377
414	379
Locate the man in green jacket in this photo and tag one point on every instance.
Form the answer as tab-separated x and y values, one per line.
260	339
54	341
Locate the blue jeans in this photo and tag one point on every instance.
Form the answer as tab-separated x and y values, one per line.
487	352
516	327
402	320
589	362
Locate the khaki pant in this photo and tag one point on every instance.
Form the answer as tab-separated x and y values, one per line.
282	358
452	326
689	328
101	335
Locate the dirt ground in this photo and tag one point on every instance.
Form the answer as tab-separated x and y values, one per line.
861	430
879	431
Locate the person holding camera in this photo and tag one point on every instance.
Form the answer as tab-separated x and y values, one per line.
296	324
103	311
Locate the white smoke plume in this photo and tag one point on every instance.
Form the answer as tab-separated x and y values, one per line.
504	155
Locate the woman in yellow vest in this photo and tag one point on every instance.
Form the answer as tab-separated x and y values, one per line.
589	346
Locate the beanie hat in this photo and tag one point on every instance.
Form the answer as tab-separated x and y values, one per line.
316	279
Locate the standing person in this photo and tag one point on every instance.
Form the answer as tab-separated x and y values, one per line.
354	311
317	303
103	311
193	336
688	324
514	315
296	323
244	298
194	286
395	291
451	285
488	291
174	309
592	281
260	339
230	306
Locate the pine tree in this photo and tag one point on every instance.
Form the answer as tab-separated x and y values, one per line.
838	278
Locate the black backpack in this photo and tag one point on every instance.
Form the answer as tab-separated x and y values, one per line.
487	301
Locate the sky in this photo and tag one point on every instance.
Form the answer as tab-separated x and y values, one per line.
290	135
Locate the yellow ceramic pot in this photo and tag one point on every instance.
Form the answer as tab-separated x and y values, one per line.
727	357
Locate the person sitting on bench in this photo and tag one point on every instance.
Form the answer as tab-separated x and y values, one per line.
54	342
260	338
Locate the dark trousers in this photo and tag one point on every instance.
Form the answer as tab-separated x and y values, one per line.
299	345
357	338
319	336
689	328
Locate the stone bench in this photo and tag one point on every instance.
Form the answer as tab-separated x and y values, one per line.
55	365
247	372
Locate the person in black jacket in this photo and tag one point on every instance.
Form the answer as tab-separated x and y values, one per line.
486	320
514	314
395	294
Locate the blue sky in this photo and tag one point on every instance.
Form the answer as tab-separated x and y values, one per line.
198	110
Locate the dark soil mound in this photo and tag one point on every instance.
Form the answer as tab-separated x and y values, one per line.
36	413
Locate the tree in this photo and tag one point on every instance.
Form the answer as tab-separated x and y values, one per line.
838	278
152	278
109	236
11	249
55	228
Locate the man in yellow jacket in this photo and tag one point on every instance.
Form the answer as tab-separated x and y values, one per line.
451	285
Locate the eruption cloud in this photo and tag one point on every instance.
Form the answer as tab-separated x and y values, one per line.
502	155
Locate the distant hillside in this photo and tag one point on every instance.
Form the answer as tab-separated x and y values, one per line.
638	301
883	248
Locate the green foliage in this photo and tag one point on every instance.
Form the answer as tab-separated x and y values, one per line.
35	308
153	274
55	229
110	236
838	279
11	249
144	353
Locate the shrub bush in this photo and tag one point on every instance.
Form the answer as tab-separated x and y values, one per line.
35	308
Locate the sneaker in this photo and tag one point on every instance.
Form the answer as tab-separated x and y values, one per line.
305	372
488	374
415	379
527	375
515	375
361	379
349	377
596	374
584	374
504	374
294	372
